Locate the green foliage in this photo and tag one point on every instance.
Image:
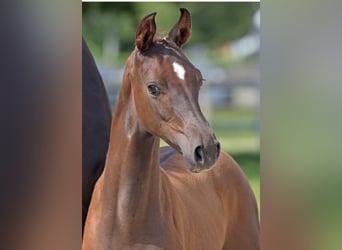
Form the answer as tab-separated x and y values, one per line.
213	23
216	23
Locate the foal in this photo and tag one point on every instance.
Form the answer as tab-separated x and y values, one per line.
189	196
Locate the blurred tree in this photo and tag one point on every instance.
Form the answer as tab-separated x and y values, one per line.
213	23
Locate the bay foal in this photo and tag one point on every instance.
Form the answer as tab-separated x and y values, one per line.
189	196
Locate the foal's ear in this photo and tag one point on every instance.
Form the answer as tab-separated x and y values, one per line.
181	32
145	32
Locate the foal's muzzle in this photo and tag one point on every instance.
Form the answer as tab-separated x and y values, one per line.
205	156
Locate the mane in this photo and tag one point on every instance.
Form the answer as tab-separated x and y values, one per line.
165	41
164	45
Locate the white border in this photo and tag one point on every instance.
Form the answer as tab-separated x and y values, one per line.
236	1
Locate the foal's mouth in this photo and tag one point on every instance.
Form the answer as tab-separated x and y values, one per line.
197	157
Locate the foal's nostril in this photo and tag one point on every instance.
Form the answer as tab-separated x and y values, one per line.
199	154
218	148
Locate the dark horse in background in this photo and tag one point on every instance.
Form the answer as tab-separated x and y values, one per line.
96	120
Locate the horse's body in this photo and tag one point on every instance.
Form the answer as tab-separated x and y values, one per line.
96	119
185	197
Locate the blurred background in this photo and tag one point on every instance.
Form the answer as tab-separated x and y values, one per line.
225	46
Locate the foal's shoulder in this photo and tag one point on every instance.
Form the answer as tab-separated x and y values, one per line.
232	185
228	172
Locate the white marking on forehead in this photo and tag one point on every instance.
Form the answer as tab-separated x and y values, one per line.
179	69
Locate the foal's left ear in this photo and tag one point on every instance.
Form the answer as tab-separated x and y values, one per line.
145	32
181	32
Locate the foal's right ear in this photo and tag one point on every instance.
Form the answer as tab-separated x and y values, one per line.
145	32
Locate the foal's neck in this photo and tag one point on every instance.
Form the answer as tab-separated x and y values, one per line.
131	175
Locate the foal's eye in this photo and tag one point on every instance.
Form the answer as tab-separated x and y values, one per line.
153	90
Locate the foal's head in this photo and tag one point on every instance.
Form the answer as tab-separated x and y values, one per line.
165	86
